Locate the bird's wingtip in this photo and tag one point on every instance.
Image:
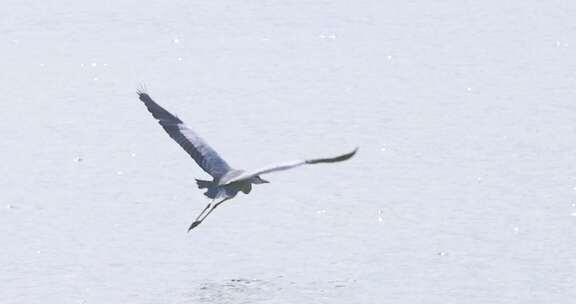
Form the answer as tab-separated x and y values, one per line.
141	91
350	154
339	158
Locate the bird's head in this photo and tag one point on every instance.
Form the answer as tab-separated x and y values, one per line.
258	180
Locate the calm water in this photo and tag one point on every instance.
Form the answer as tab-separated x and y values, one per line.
463	190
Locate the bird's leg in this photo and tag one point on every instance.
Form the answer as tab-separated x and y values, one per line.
196	221
205	208
200	219
218	204
214	207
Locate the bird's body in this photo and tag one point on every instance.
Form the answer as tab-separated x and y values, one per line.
228	185
226	181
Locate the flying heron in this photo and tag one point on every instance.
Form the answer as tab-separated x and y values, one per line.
226	182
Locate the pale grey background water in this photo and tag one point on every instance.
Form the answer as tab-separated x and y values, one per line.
463	190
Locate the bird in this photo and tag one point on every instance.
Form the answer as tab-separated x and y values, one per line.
226	181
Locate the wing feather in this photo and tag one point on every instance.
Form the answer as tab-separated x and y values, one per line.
294	164
199	150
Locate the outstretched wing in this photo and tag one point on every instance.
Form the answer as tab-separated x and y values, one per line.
201	152
294	164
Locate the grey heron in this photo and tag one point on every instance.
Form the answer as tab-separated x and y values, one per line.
226	182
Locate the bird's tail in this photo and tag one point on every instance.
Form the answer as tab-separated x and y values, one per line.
212	190
202	184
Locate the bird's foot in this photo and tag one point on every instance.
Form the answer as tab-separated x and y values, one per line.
196	223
